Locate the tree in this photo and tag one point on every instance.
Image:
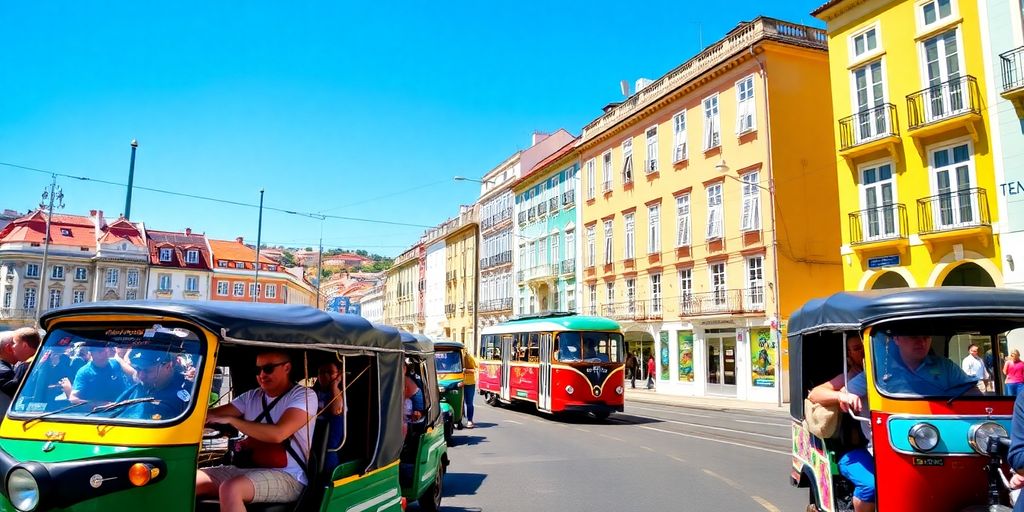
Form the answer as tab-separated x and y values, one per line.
309	249
326	273
287	258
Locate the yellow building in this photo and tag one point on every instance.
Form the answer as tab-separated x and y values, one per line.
683	240
917	191
460	277
403	293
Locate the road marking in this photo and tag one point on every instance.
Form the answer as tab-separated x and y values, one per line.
677	459
613	438
728	481
763	423
766	504
514	421
713	440
647	448
677	422
669	411
581	429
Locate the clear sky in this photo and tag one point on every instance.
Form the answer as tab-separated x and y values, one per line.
348	108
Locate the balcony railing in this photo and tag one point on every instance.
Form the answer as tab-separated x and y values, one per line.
542	208
569	266
487	306
636	310
497	259
569	197
17	314
750	300
947	100
522	217
1013	69
496	218
553	204
887	222
868	125
963	209
537	272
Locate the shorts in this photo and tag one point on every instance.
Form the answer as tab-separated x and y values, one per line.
270	485
859	468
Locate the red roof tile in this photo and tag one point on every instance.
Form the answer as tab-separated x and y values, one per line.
67	230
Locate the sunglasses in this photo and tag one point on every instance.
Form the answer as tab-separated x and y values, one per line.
269	368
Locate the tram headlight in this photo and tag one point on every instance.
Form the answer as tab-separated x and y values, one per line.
618	390
979	435
23	490
569	389
924	437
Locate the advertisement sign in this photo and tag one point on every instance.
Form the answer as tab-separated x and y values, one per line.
355	308
663	355
338	304
762	358
884	261
685	346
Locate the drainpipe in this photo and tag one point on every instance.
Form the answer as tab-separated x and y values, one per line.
777	329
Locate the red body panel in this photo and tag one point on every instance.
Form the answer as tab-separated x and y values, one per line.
582	389
488	377
523	382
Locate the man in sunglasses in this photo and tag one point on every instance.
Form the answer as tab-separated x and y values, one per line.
159	379
278	412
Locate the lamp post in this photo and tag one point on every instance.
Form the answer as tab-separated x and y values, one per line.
131	181
51	196
259	238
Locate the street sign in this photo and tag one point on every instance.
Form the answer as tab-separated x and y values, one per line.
884	261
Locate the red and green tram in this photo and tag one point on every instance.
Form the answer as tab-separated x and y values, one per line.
561	362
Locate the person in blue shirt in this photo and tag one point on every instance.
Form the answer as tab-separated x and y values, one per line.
331	401
100	380
159	379
1015	457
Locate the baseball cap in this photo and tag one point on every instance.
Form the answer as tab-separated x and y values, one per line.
140	359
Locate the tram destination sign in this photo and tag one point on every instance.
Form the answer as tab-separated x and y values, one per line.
892	260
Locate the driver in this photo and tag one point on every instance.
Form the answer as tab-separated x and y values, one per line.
159	380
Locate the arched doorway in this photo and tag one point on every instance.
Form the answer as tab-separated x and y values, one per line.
890	280
640	344
968	274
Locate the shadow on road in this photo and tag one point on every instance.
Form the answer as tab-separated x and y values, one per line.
618	418
465	440
483	424
462	484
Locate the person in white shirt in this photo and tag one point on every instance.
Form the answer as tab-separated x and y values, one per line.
291	409
974	366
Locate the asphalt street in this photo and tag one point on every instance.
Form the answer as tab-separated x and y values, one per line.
652	457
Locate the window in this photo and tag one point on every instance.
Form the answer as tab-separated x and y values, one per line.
714	211
656	293
956	204
718	283
592	293
654	229
947	94
81	274
878	190
570	247
57	272
254	289
865	42
222	264
591	250
30	298
745	105
712	127
750	218
113	275
555	256
239	290
609	296
192	284
131	295
271	291
755	281
685	290
56	297
590	179
627	161
683	220
652	150
78	296
164	283
872	119
222	288
8	297
65	232
931	13
192	256
165	254
32	270
631	295
679	137
133	278
608	257
239	264
606	172
630	246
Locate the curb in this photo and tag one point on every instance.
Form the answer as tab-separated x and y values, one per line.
644	398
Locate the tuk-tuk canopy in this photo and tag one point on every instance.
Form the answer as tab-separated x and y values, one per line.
280	325
416	344
846	311
448	344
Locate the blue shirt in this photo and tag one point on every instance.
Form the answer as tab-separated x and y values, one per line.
335	432
935	376
169	402
93	383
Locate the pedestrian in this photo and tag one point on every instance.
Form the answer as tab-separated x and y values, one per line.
632	366
1014	371
650	372
469	367
974	366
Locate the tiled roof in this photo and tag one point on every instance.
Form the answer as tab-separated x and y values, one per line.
548	161
179	242
68	230
236	251
122	230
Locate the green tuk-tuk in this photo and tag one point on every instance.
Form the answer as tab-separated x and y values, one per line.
80	453
448	357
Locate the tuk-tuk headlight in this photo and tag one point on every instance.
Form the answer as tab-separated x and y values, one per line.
924	437
23	490
979	435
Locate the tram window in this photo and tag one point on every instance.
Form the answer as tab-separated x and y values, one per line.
568	347
490	347
533	350
600	347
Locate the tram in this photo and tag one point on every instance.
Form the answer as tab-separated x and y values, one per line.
561	362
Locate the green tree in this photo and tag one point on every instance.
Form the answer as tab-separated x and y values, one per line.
287	258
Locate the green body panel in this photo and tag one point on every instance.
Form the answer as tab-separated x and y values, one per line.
380	487
428	461
454	400
172	494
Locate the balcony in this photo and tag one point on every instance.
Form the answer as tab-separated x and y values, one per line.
954	215
553	204
522	217
489	306
449	309
880	227
538	273
723	302
16	314
497	259
635	311
568	197
943	108
569	266
868	131
1013	78
542	208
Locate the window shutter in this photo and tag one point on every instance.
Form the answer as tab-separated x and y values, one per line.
712	215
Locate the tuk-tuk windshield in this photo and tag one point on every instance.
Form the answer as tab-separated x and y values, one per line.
142	374
591	347
448	362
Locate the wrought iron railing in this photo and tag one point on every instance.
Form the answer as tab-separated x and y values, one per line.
750	300
553	204
636	310
868	125
569	196
965	208
16	314
885	222
569	266
1013	69
486	306
497	259
939	102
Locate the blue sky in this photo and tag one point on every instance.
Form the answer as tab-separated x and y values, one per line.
356	110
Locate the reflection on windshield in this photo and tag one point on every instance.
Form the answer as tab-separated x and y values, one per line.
134	374
591	347
448	362
924	365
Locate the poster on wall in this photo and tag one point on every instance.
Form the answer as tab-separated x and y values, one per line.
762	358
685	344
663	354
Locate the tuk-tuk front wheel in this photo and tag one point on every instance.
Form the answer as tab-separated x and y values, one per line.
430	501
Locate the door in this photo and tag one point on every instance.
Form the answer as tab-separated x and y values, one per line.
872	117
954	206
544	379
945	93
879	221
506	358
721	371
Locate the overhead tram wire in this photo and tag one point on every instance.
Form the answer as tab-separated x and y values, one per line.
317	216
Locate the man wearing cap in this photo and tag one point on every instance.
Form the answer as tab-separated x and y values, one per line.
100	380
160	380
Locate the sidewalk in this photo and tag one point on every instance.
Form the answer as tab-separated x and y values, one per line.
701	402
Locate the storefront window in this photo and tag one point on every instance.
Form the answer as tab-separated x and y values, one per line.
663	352
762	357
684	340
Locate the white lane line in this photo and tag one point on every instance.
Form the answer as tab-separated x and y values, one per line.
514	421
647	448
764	423
677	459
735	485
613	438
723	429
669	411
713	440
581	429
766	504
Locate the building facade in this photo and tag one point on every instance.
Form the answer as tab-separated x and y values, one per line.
180	266
546	234
918	191
706	219
402	299
122	259
235	277
371	305
461	277
434	262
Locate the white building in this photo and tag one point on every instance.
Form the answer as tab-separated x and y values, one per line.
180	266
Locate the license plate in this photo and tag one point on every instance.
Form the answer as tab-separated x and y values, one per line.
929	461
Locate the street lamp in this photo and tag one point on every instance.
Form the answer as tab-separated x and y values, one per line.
463	178
51	196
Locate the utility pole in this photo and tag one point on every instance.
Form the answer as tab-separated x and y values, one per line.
131	181
320	263
259	239
51	196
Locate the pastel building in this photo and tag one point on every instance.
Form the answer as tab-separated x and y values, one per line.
461	276
180	265
235	277
403	302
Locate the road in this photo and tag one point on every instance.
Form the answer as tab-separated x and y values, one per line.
652	457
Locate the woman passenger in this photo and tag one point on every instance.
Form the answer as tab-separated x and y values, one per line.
1014	371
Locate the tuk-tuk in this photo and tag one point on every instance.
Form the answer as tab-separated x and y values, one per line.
937	434
448	357
84	451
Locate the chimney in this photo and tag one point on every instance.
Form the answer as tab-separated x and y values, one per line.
92	213
188	231
240	240
539	136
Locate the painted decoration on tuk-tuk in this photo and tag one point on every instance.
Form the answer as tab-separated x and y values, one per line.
684	340
663	355
762	350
